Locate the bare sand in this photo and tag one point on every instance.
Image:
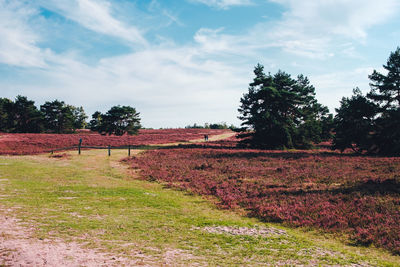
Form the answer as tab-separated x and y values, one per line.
18	247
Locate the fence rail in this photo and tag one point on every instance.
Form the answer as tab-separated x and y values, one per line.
79	147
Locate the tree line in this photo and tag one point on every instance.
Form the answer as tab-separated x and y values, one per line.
279	111
220	126
22	116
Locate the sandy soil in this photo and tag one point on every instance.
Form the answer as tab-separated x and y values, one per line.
215	137
18	247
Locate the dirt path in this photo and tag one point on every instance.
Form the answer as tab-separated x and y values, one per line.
19	247
211	138
215	137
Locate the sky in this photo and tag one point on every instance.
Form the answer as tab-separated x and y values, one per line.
180	62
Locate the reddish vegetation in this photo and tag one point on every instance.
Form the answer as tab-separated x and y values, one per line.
358	195
22	144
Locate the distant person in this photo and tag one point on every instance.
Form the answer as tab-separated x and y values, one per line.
206	137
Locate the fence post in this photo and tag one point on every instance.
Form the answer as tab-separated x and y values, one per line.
109	150
129	150
79	146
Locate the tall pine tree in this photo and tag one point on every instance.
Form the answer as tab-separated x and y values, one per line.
385	92
354	123
371	123
281	112
25	117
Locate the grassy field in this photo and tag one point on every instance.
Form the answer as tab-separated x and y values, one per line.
95	200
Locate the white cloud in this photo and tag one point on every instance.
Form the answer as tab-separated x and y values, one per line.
18	42
171	86
156	7
333	86
212	41
224	4
312	27
218	44
345	17
96	16
308	28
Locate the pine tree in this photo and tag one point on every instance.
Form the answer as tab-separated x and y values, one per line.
385	89
355	123
281	112
118	120
6	120
385	92
25	117
371	123
59	117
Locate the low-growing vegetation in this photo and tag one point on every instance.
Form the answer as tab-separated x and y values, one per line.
27	144
339	193
93	200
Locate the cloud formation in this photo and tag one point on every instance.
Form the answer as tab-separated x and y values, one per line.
224	4
18	42
309	27
96	16
343	17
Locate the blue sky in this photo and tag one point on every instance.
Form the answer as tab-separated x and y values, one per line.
187	61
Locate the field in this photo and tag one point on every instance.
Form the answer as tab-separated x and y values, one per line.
92	205
339	193
28	144
127	211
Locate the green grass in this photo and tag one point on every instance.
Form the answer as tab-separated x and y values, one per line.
95	200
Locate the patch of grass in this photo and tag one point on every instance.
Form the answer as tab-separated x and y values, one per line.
95	199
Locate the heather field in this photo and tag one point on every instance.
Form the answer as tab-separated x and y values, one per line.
27	144
355	197
90	210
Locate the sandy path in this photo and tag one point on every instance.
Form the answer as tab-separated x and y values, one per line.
217	137
18	247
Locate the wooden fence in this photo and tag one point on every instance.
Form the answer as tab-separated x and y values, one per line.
79	147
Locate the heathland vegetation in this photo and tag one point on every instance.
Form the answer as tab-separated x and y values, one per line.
29	144
95	201
354	195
